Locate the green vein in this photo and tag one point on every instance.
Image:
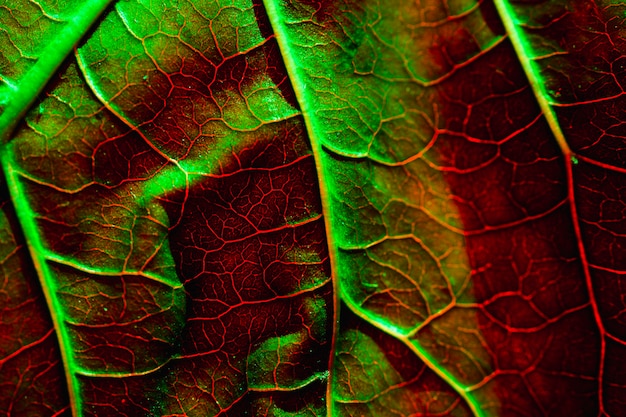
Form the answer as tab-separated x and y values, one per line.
519	44
422	354
26	219
23	95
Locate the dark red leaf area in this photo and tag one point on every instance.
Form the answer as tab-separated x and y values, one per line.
528	281
453	45
32	381
600	197
601	205
586	82
401	384
310	402
250	249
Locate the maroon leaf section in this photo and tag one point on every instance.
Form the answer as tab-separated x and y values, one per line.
33	381
543	229
507	175
579	49
251	246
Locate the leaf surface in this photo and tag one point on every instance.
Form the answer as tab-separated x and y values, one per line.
314	208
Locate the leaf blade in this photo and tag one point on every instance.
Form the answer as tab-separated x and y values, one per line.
447	204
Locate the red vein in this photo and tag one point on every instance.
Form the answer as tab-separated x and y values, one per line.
518	41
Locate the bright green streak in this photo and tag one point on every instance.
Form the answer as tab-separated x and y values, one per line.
26	218
520	44
21	97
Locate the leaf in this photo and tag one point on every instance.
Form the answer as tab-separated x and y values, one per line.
313	208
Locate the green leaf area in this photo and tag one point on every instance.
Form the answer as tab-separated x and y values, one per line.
313	208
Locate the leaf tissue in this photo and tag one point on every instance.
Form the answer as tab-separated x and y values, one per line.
313	208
